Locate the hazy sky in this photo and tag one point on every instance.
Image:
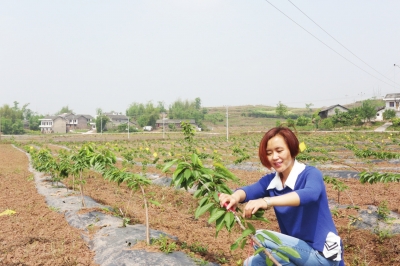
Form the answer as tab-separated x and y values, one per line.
110	54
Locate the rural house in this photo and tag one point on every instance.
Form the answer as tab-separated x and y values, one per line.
379	113
77	121
53	124
64	123
116	119
330	111
392	102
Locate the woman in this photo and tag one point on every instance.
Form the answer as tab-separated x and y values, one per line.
297	193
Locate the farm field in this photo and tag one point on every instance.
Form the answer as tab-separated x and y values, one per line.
341	156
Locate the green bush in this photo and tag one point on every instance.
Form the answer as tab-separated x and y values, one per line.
326	123
302	121
396	121
389	114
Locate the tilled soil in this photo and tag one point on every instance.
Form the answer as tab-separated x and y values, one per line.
37	235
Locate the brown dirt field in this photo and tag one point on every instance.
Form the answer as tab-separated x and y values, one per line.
38	236
35	235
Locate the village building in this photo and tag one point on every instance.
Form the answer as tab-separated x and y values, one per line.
64	123
331	110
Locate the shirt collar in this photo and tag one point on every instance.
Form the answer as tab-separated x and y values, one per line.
291	180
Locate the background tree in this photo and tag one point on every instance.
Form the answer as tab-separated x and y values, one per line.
64	109
34	121
11	119
215	117
145	115
197	103
281	109
101	121
99	111
368	110
308	108
161	107
188	110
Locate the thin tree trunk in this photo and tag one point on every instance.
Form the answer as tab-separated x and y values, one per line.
129	202
81	188
147	217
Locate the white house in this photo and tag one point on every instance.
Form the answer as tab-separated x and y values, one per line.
379	114
392	101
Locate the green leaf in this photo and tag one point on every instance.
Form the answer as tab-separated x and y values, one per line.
177	172
251	227
229	219
154	202
201	210
260	237
273	237
188	173
202	201
247	232
219	226
215	195
244	241
195	159
168	165
234	246
290	251
178	179
269	262
196	174
216	215
259	213
261	249
219	223
282	256
197	193
263	219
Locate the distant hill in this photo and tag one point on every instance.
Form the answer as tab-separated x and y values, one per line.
239	121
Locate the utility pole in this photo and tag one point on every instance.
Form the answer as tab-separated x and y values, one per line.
227	124
128	127
163	129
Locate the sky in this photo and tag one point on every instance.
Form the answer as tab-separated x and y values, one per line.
110	54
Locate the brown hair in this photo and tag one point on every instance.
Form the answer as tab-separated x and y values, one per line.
289	137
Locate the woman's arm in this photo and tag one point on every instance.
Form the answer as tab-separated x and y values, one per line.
290	199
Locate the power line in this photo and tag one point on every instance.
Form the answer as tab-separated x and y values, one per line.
339	42
326	44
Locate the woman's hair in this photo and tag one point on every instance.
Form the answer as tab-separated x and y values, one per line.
289	137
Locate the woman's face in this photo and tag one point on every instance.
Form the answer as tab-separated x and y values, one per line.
278	155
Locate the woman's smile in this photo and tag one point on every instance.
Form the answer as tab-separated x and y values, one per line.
279	156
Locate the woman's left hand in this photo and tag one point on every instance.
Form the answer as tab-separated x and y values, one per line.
253	206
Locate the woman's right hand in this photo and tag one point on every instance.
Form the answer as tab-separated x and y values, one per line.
230	202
